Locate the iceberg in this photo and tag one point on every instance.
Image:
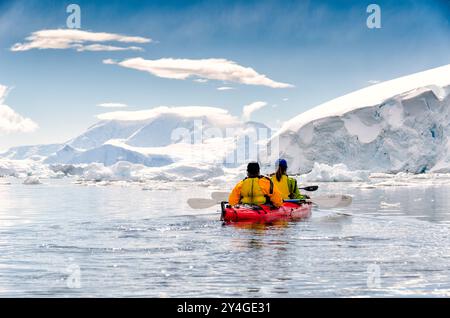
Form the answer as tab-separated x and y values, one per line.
336	173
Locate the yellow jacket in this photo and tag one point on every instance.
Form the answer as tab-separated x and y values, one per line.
255	191
288	187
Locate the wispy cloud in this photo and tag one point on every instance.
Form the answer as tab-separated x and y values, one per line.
216	115
373	82
108	48
3	92
109	61
10	121
248	110
77	39
200	80
112	105
224	88
212	69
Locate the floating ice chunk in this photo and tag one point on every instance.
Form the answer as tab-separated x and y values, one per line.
97	172
384	205
32	180
336	173
393	183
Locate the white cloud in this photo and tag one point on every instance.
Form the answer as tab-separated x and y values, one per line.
110	48
224	88
248	110
3	92
219	115
10	121
78	40
200	80
373	82
109	61
285	99
212	69
112	105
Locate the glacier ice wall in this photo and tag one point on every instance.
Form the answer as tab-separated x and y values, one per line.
408	132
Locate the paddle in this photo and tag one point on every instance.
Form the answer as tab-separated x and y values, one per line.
324	201
223	196
329	201
199	203
310	188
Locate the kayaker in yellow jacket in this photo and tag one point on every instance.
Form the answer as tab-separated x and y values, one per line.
255	189
285	184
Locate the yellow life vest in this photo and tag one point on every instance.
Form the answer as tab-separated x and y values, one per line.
251	192
282	186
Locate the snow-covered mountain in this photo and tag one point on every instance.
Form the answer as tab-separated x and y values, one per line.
153	138
156	127
398	125
105	130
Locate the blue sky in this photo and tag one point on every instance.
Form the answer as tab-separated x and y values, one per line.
323	48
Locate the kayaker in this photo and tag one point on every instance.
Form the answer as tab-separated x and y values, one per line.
285	184
255	189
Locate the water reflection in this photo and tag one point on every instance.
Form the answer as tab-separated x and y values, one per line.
259	227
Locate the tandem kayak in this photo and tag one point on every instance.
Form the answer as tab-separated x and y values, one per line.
265	213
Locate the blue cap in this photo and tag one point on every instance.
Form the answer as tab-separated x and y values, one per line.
281	163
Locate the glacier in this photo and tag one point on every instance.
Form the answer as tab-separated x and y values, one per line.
401	125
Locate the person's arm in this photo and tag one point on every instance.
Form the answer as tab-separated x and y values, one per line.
276	198
295	193
235	195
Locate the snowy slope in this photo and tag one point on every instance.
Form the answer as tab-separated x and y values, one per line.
24	152
398	125
110	154
186	124
434	80
63	155
105	130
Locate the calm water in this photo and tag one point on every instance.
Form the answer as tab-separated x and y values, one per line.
65	239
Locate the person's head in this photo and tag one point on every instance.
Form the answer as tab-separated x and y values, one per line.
253	169
281	165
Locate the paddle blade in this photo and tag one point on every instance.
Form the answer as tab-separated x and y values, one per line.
345	201
333	201
220	196
199	203
310	188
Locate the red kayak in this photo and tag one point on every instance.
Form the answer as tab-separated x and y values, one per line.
265	213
